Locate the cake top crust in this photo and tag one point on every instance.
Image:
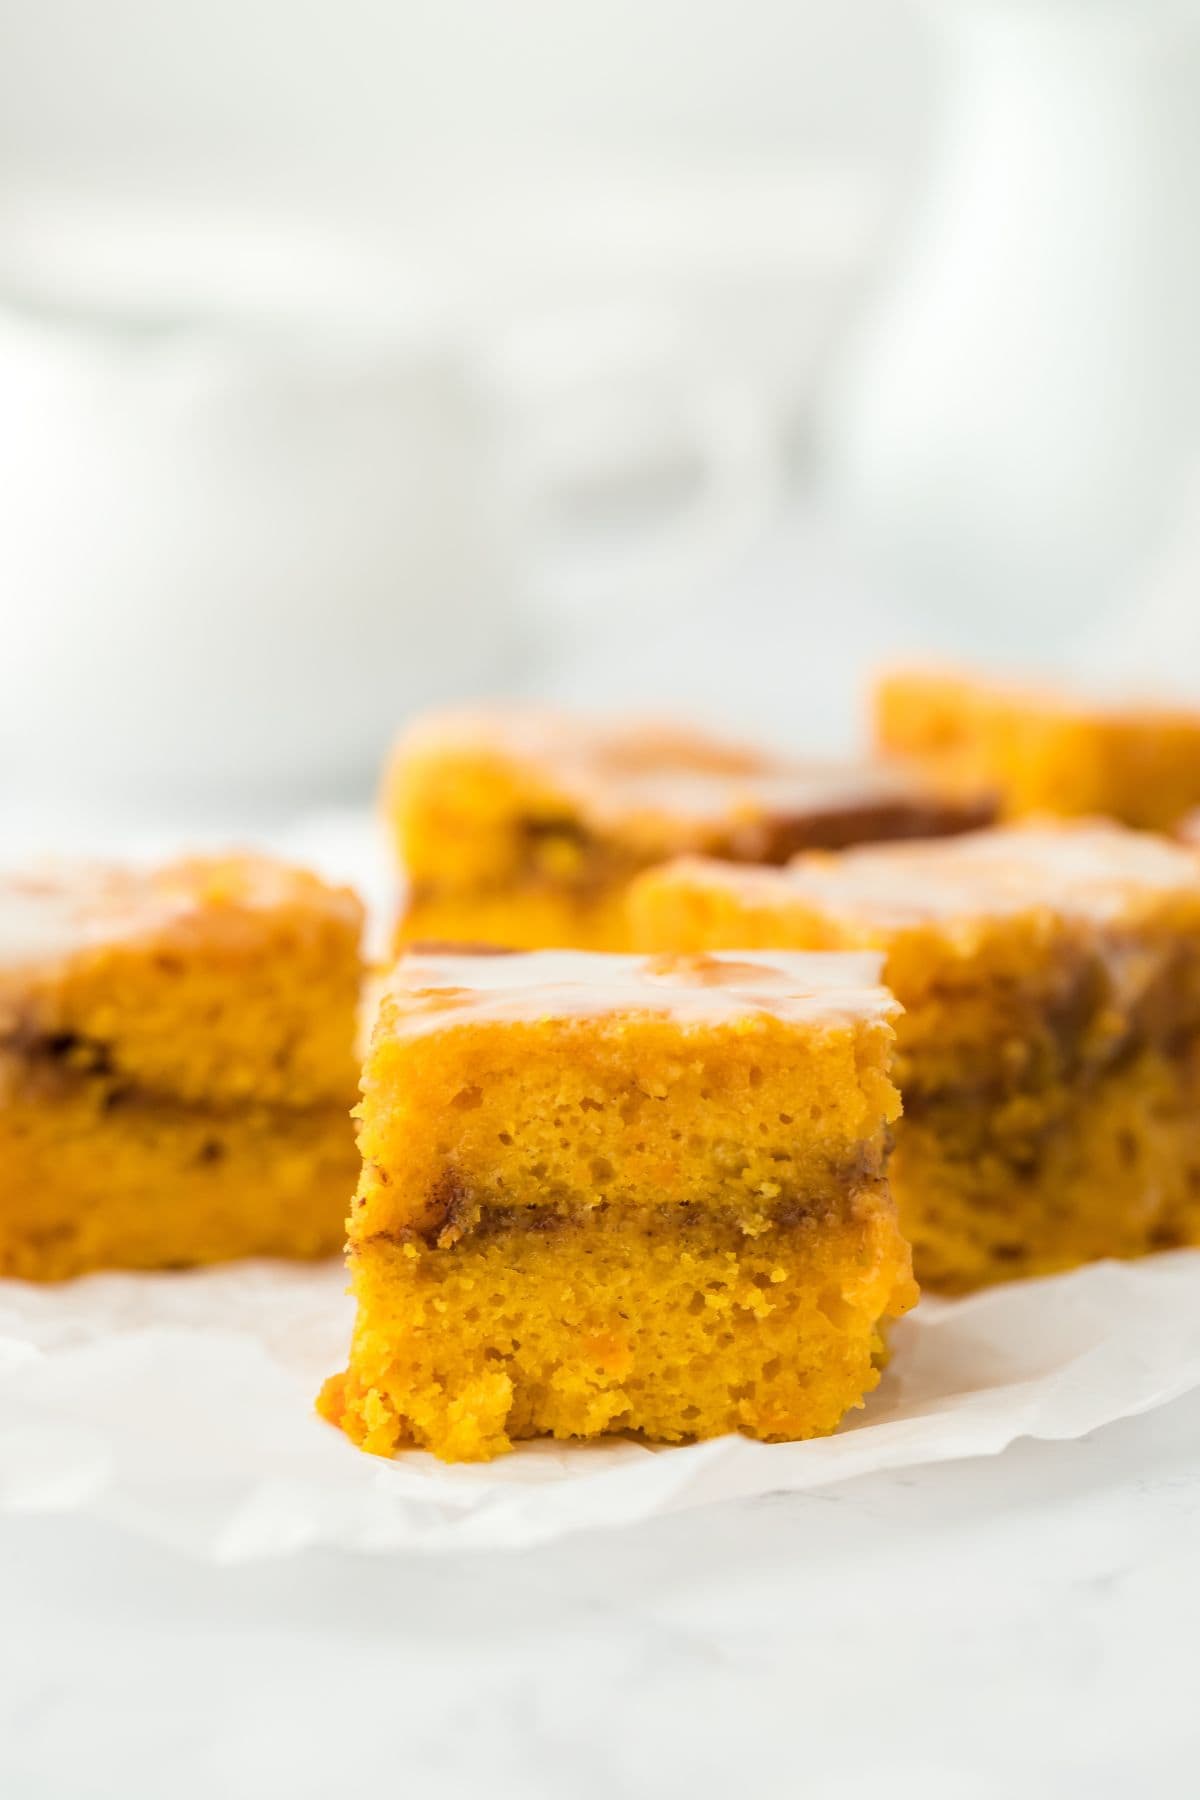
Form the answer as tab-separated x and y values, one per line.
704	797
50	914
645	775
1093	698
1092	870
542	735
430	991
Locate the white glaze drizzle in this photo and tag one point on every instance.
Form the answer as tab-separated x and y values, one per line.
53	912
1087	870
432	992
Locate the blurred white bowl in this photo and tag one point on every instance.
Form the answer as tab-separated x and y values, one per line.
264	494
232	553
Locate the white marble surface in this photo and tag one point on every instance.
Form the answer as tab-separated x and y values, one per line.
1021	1624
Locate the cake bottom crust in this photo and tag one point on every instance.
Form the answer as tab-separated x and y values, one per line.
672	1322
90	1179
992	1191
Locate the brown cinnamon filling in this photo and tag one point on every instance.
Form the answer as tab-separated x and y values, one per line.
454	1211
788	1213
775	840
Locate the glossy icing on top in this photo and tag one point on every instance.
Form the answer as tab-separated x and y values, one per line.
1089	870
51	913
432	992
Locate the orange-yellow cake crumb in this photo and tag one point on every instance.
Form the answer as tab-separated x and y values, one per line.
177	1064
524	828
1049	1048
606	1194
1044	750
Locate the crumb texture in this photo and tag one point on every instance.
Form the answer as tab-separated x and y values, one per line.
97	1179
636	1211
539	1094
1048	1052
177	1065
626	1319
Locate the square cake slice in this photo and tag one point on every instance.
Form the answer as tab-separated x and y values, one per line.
604	1193
1048	1053
177	1064
524	828
1043	749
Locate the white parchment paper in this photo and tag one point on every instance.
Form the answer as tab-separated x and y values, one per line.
182	1406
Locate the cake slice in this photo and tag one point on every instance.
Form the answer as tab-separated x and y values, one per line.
524	828
602	1193
1042	749
177	1064
1048	1053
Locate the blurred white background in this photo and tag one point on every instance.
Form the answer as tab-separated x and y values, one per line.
354	358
